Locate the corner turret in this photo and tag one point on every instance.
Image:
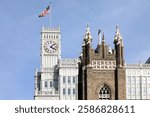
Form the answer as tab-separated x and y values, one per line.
118	41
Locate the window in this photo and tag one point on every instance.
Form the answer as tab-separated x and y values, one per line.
148	80
144	91
138	91
104	93
51	84
148	90
39	87
74	91
128	90
64	79
138	80
74	79
69	79
64	91
69	91
133	90
56	89
128	80
133	80
144	80
46	84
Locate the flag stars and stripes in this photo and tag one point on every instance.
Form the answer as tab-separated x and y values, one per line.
45	12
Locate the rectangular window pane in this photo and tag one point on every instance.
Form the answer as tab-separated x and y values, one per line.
64	91
148	80
74	91
133	90
128	90
51	84
45	84
144	91
148	90
69	79
133	80
138	80
64	79
74	79
144	80
128	80
39	87
69	91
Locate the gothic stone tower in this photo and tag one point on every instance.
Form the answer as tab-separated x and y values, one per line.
102	70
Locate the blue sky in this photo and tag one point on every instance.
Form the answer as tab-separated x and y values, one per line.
20	35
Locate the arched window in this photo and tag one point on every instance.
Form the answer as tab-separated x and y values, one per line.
104	93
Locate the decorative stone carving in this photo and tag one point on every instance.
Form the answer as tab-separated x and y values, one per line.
103	64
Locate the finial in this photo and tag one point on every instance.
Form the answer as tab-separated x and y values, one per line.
117	28
87	28
88	33
117	37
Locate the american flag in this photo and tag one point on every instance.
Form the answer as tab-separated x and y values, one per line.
45	12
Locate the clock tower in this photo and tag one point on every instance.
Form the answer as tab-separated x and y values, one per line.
46	80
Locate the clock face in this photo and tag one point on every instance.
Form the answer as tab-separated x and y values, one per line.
50	46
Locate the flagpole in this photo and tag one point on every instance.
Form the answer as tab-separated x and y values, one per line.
50	15
99	32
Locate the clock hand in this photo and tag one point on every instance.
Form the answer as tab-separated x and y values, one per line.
53	44
50	46
53	48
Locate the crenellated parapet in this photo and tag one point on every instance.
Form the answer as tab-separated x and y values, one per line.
138	66
48	29
69	63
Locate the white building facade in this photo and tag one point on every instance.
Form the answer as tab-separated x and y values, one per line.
138	81
68	79
48	78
